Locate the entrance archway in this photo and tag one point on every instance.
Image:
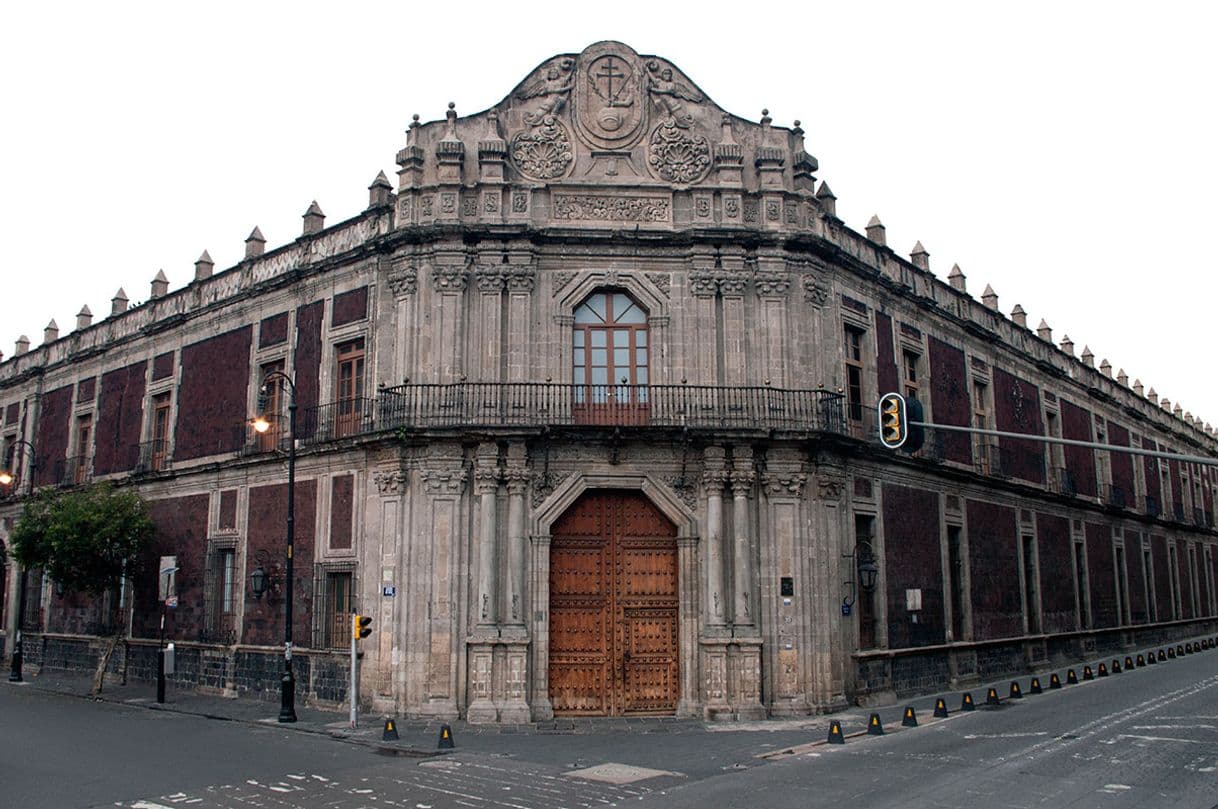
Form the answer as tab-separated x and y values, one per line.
614	647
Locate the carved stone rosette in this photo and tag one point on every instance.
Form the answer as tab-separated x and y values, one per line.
543	152
784	483
450	279
404	282
676	155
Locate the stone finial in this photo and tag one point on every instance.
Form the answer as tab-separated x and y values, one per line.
84	318
380	192
1137	387
314	219
51	333
1019	316
160	285
1177	411
989	298
118	304
920	257
450	122
1088	358
876	231
255	244
1106	368
203	266
1123	378
1067	345
1044	332
828	202
23	346
1152	396
1165	403
956	279
1188	416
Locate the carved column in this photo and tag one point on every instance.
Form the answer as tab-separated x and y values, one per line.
702	368
714	478
830	541
521	280
385	520
450	279
732	283
403	281
687	581
540	707
486	487
443	478
514	707
489	278
742	479
744	654
783	558
772	284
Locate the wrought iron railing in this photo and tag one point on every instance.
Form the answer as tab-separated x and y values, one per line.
1151	505
154	456
1061	480
530	404
1116	496
74	471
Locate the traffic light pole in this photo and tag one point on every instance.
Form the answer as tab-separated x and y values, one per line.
353	693
1048	439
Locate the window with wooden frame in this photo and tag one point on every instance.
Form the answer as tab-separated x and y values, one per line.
910	360
84	448
610	355
223	591
271	398
349	387
334	585
852	337
161	405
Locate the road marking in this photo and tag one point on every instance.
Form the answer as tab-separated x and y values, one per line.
1175	727
1120	736
1005	735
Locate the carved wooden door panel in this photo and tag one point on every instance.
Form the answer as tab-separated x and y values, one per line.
613	608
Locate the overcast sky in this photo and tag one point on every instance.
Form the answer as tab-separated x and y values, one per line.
1066	153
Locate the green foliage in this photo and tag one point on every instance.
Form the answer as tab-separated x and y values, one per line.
84	539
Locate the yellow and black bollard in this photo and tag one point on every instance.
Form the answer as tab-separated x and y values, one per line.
910	719
390	733
446	738
1015	693
874	726
966	702
1034	687
940	708
1088	674
991	696
1054	681
1071	677
835	733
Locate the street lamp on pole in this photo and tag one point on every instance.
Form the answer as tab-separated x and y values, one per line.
262	423
8	473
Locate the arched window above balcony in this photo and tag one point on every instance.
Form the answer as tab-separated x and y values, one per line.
610	344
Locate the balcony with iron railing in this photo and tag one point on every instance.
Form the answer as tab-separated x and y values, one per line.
154	456
1115	495
1151	506
74	471
484	405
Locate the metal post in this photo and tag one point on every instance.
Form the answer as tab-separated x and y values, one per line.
354	692
14	675
287	707
160	661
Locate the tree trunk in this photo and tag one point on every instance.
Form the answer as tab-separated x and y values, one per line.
104	662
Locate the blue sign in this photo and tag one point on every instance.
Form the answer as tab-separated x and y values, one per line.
389	591
846	609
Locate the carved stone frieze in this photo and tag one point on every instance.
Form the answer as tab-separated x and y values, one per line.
611	208
404	282
732	283
489	279
684	487
543	152
772	284
517	479
742	481
703	284
544	484
784	482
550	86
449	279
562	278
830	486
815	292
661	280
441	481
390	482
486	479
677	155
521	279
713	480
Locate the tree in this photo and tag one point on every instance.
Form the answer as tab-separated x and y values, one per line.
86	540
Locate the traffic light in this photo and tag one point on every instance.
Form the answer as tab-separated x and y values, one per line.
361	625
900	422
894	429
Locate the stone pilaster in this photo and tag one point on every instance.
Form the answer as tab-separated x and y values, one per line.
714	478
517	477
486	487
785	558
744	653
540	706
449	279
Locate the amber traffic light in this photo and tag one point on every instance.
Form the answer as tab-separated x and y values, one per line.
362	626
894	427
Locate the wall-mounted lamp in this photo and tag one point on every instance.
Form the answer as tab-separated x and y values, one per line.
866	571
264	578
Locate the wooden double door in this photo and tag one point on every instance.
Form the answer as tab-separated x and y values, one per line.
613	608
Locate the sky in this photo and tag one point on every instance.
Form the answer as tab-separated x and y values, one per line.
1064	153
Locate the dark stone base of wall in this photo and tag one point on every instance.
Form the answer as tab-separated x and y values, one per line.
322	678
907	672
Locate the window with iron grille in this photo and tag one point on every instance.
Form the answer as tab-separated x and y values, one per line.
334	600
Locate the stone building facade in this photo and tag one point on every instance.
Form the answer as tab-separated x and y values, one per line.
586	424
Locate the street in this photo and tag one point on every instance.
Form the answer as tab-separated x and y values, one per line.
1146	738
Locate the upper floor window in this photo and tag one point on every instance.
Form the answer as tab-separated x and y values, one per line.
853	352
610	348
271	405
910	360
349	386
160	431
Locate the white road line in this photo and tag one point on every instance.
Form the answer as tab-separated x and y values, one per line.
1121	736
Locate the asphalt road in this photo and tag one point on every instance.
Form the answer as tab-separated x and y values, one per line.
1145	738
